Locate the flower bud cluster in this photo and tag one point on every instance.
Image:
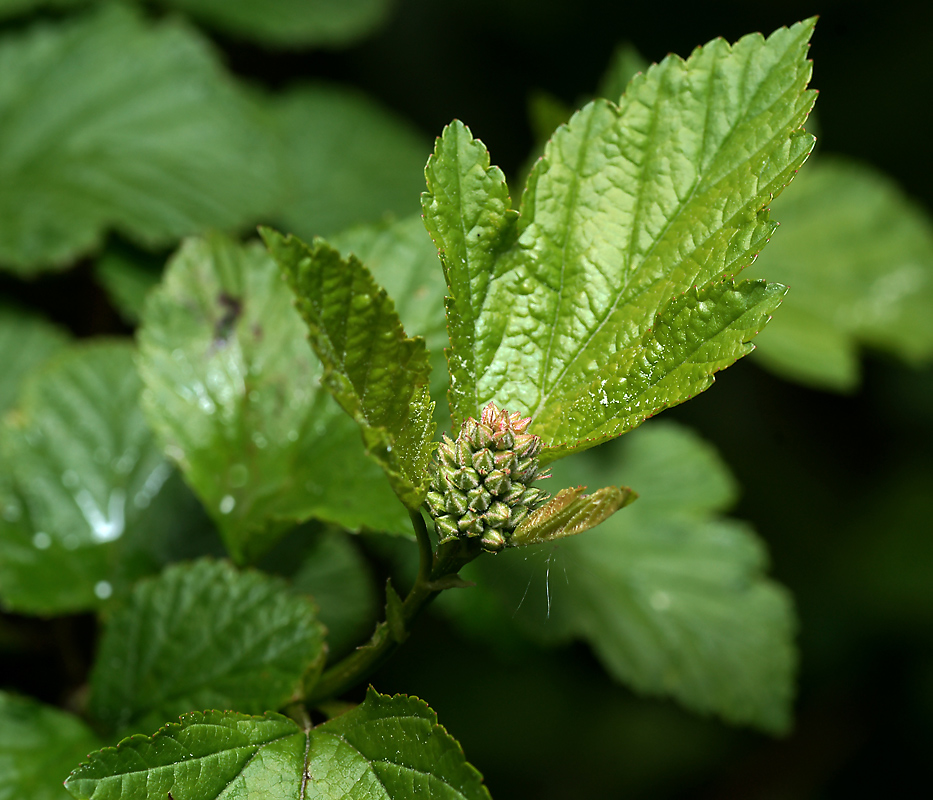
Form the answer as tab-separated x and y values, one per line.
481	487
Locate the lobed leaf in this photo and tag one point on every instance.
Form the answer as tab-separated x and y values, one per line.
672	597
387	747
859	257
82	483
38	746
377	374
112	122
630	206
233	391
203	635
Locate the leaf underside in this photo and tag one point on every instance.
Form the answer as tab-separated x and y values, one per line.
375	372
575	297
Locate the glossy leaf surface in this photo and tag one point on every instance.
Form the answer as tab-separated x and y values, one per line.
858	256
234	391
671	596
84	481
110	122
39	746
387	747
203	635
630	207
377	374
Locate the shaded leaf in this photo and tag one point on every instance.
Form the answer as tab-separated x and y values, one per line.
127	277
83	484
26	341
858	256
233	390
630	206
672	597
39	745
112	122
345	160
203	635
387	747
377	374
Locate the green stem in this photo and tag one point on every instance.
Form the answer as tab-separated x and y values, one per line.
449	559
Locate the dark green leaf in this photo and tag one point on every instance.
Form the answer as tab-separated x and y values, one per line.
39	745
203	635
671	596
26	341
233	389
377	374
630	206
84	484
859	258
388	747
345	160
110	122
127	278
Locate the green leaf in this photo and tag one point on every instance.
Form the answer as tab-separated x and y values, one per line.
203	635
571	512
38	746
345	160
83	482
672	597
111	122
377	374
630	206
26	341
387	747
858	256
127	277
233	390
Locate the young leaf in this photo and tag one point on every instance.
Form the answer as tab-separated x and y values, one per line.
84	479
387	747
378	171
233	390
38	746
26	341
377	374
112	122
630	206
672	597
859	256
203	635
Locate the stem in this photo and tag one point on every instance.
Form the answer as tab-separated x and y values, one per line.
449	559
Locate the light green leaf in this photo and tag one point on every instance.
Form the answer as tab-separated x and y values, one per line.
671	596
203	635
630	206
858	256
83	485
233	390
111	122
389	748
39	745
26	341
335	574
345	160
377	374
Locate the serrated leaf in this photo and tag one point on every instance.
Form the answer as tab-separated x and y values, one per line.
233	390
26	341
378	171
203	635
858	255
672	596
377	374
39	745
387	747
630	206
696	334
84	481
112	122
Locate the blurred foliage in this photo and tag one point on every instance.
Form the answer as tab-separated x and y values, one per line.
137	127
